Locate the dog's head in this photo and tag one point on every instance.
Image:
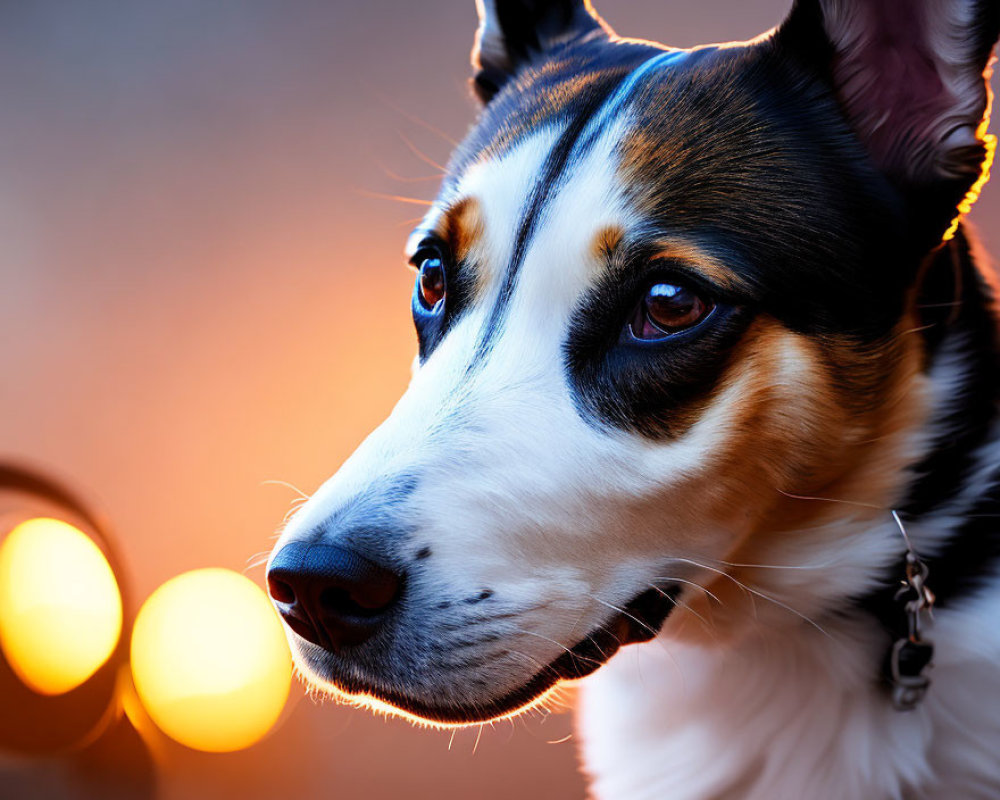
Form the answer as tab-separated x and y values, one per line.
662	296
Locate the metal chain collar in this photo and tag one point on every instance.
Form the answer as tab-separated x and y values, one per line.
911	655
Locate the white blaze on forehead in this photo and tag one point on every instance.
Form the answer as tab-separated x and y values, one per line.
502	188
560	267
561	264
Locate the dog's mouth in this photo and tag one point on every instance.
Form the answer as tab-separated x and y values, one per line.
639	621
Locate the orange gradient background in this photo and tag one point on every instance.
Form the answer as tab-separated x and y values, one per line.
201	293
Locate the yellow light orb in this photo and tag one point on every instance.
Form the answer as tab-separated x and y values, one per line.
210	660
60	608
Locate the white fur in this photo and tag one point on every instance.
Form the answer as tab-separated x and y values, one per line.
796	714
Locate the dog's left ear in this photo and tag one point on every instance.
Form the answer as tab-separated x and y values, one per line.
513	33
912	79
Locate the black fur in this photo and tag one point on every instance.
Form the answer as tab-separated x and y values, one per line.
957	303
751	159
524	31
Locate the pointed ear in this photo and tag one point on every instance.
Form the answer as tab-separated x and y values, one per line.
912	78
513	33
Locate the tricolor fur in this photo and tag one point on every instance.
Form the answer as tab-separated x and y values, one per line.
551	487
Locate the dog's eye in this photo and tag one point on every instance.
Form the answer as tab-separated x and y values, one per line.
666	309
430	282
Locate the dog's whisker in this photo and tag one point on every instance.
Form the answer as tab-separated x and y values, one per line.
753	591
951	304
918	329
411	117
256	561
655	633
535	661
460	622
689	583
287	485
857	503
295	506
420	154
625	613
708	625
824	565
561	646
402	178
397	197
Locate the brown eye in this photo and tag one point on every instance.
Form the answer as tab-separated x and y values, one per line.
668	308
430	282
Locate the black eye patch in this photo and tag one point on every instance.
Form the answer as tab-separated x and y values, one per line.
645	386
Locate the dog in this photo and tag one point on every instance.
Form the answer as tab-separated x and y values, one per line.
708	366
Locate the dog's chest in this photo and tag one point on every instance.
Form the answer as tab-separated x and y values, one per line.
795	716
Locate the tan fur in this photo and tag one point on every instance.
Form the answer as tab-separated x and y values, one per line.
685	251
605	242
462	226
543	106
806	430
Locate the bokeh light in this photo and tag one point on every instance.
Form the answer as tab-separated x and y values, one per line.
60	606
210	661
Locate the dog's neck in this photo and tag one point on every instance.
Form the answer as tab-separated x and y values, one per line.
954	496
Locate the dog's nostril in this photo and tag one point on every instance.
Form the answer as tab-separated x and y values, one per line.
339	602
301	627
280	591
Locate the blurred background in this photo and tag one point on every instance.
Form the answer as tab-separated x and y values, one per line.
200	292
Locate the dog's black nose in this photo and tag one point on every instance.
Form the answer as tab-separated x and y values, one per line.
329	595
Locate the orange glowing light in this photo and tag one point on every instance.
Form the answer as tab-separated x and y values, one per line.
990	143
60	607
210	661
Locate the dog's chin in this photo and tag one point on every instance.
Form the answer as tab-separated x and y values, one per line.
639	621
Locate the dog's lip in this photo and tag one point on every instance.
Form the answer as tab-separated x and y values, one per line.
639	621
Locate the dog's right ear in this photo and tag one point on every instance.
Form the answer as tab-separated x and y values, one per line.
513	33
912	77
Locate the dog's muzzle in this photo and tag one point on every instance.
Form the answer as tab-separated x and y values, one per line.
351	607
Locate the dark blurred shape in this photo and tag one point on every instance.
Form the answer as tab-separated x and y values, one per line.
35	723
86	725
117	766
